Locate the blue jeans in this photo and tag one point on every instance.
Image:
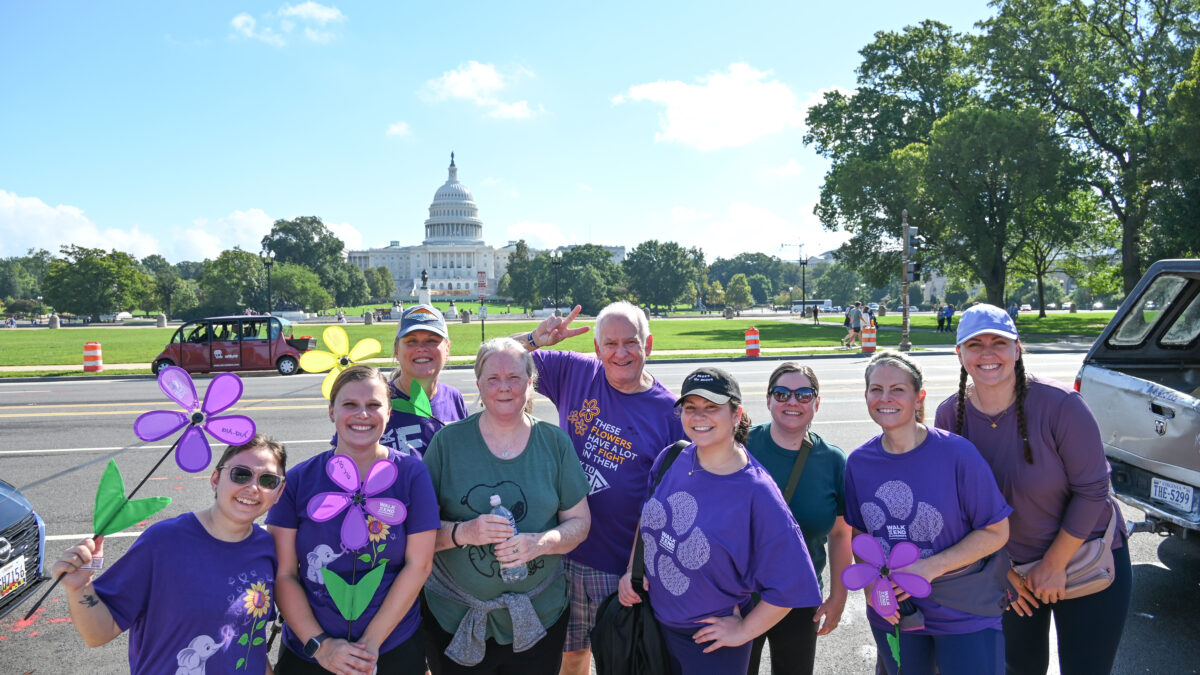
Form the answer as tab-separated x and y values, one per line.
978	653
1089	629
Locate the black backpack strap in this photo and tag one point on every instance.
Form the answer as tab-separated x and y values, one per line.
639	553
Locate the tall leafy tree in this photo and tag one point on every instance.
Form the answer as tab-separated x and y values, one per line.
738	294
232	282
154	263
658	272
1105	69
91	281
522	284
590	276
387	285
749	264
839	283
1176	209
167	287
760	287
299	286
1053	229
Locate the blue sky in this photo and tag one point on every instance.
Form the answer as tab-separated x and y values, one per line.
187	128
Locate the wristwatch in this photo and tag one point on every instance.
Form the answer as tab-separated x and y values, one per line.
311	647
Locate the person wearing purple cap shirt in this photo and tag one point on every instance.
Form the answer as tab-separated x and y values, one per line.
619	418
195	591
1044	447
421	348
716	531
929	487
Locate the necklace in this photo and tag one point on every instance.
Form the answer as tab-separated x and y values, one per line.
994	420
716	470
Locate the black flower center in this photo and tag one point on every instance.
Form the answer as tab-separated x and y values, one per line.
344	361
359	499
197	417
884	571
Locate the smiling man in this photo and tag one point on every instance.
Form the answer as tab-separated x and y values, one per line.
619	418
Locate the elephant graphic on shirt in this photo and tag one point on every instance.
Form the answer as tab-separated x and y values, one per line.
192	658
318	559
511	496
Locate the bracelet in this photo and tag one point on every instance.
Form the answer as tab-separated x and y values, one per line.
529	339
454	533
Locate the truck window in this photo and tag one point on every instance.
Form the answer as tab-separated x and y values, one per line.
1186	327
254	330
1146	313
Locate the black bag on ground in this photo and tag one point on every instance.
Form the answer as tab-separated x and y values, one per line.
626	640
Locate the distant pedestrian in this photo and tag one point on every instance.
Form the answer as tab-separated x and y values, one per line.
941	318
816	313
1012	312
949	312
855	316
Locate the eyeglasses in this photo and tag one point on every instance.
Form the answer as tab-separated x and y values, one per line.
244	474
803	394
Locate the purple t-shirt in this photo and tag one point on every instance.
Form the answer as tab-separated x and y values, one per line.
318	545
409	433
617	436
1066	487
931	496
192	602
711	541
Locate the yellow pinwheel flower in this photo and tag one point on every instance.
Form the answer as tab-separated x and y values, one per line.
339	357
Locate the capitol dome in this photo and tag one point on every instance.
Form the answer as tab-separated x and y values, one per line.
453	215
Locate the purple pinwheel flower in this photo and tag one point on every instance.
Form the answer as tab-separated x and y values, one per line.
358	496
193	452
881	572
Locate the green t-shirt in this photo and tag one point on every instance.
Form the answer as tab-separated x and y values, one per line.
820	495
544	479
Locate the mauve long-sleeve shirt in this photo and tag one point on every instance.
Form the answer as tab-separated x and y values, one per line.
1065	488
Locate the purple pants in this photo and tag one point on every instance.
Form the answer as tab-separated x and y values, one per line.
688	658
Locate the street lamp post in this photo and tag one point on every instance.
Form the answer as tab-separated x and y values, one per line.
556	262
268	259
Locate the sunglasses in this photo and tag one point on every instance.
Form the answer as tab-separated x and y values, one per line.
243	475
803	394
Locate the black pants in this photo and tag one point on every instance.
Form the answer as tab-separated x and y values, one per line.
793	644
1089	629
544	658
407	658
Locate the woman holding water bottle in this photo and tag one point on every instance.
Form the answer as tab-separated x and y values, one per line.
502	457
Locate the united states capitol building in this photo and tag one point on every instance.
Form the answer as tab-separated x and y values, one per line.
453	253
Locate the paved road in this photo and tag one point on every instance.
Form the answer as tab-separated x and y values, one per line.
58	436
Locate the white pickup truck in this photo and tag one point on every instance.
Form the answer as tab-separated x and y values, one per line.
1141	378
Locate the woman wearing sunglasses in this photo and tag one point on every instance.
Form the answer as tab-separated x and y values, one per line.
194	591
809	473
325	551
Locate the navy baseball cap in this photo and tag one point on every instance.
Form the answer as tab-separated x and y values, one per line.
981	319
712	384
422	317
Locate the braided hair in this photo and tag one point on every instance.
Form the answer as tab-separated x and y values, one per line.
1022	387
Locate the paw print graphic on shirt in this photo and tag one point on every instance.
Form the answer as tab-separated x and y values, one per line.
583	417
671	550
895	499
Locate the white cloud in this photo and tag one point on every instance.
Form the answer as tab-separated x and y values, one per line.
724	110
206	239
480	84
491	180
274	28
400	129
349	235
790	168
537	235
682	214
28	222
584	186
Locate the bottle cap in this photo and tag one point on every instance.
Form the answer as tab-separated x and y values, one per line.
495	501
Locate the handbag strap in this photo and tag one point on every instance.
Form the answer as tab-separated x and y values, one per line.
1112	523
639	550
797	469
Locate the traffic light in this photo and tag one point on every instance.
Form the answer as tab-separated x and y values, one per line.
912	271
913	243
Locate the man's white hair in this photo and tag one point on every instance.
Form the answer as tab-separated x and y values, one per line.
630	313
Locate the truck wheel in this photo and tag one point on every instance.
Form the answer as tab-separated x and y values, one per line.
287	366
160	364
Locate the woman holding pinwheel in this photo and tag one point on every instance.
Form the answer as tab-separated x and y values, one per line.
354	531
931	489
194	591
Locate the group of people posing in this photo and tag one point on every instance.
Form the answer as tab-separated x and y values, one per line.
385	553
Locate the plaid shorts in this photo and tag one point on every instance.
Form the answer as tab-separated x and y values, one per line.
587	588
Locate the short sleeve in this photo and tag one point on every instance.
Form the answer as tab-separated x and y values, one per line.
423	512
782	570
433	461
850	497
284	513
550	367
946	414
839	482
125	587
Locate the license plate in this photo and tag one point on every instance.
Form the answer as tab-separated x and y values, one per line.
1172	493
12	576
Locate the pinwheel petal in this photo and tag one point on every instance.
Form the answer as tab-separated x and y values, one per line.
224	390
336	340
913	584
193	453
390	511
365	349
859	575
869	549
231	429
158	424
354	528
327	383
326	505
177	385
380	477
882	597
343	472
903	554
317	361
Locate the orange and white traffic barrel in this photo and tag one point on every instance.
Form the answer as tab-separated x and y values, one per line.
93	359
868	339
752	341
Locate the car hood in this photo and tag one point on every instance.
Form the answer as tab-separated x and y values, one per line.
13	505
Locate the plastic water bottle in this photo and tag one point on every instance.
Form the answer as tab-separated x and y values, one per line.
513	574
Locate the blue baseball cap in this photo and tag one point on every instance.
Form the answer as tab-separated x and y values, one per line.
980	319
422	317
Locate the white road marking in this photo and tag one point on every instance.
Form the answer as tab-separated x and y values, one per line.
134	447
